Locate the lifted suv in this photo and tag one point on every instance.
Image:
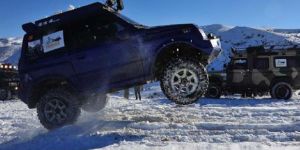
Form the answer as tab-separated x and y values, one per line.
67	59
258	71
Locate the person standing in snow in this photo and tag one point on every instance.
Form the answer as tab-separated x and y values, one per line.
137	91
126	94
116	4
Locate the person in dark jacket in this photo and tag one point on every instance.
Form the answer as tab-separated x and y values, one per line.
118	5
126	94
137	91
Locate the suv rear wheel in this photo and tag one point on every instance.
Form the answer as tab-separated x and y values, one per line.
58	108
184	81
282	90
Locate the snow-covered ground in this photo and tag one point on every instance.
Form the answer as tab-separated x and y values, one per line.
157	123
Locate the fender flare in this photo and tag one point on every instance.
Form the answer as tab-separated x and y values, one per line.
161	48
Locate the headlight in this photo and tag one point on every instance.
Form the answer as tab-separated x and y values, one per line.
215	43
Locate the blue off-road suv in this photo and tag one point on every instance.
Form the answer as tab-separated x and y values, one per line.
70	60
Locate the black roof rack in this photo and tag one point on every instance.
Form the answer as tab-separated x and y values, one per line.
65	17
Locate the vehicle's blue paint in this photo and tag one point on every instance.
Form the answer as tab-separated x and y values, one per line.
124	61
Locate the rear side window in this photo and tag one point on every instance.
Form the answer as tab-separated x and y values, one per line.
261	63
39	45
284	62
53	41
34	47
294	61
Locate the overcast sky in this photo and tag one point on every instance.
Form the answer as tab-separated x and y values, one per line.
253	13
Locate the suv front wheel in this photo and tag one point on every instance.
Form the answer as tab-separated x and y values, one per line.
184	81
282	90
58	108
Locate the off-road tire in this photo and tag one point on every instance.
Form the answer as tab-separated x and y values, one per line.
95	103
282	90
172	90
3	94
60	103
213	91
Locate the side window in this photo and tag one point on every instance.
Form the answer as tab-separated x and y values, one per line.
261	63
48	43
240	64
281	62
92	31
34	47
53	41
293	61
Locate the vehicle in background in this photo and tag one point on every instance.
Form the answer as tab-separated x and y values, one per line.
9	82
259	71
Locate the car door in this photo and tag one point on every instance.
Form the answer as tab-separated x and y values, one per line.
261	73
239	73
100	57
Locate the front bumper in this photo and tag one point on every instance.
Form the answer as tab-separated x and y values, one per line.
217	49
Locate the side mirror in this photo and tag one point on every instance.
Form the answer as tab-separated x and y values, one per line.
211	36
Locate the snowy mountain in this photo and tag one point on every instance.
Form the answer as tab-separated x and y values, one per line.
243	37
10	49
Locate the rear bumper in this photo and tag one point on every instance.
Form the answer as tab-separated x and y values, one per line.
24	94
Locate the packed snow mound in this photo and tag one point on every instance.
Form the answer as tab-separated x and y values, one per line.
10	49
243	37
